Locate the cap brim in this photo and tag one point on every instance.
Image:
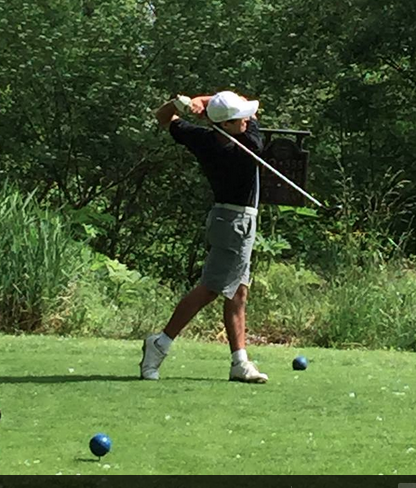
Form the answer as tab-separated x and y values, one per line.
248	110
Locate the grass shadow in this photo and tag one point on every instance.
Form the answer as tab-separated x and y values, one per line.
188	378
87	460
65	379
87	378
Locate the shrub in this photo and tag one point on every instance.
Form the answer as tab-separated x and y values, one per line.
107	299
285	300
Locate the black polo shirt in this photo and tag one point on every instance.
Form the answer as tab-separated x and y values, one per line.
231	172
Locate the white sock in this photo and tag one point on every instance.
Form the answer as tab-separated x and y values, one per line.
164	342
239	356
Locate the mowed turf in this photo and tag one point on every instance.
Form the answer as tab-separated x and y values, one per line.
350	412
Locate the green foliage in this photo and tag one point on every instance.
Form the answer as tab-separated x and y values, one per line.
78	85
267	249
107	299
373	309
51	283
79	82
54	284
78	115
369	306
284	301
35	260
371	228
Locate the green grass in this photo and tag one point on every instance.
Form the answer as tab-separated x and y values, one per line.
350	412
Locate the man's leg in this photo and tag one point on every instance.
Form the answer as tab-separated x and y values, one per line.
235	319
187	308
155	347
235	323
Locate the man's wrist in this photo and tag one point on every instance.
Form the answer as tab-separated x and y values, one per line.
205	99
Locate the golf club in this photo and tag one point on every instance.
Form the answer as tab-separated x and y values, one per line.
276	172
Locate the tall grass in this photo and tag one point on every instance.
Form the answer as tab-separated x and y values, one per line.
34	259
375	310
373	307
51	283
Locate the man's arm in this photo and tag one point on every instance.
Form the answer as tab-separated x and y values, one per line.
169	112
199	105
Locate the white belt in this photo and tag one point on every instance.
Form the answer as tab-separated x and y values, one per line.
237	208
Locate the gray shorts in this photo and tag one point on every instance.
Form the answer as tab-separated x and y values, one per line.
230	235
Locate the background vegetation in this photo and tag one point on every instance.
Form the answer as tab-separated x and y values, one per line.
102	215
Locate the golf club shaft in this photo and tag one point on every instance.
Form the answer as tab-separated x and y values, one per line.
268	166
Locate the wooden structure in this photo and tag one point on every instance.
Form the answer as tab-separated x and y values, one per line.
289	158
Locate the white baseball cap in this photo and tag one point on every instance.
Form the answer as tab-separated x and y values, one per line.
227	105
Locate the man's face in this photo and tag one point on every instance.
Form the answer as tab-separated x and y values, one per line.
235	127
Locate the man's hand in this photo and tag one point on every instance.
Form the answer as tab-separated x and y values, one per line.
167	113
199	105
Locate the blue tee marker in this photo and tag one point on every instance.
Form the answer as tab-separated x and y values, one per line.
300	363
100	445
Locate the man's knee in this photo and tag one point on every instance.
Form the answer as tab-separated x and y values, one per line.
211	296
240	296
207	295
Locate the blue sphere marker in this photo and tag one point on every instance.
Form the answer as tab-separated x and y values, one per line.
300	363
100	445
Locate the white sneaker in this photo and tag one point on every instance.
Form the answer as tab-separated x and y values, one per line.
247	372
151	360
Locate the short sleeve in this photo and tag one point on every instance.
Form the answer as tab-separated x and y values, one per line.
190	135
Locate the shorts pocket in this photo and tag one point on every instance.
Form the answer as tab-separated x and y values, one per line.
229	234
242	226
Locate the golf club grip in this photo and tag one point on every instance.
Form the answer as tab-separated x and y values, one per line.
268	166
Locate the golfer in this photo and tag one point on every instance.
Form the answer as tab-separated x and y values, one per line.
231	224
